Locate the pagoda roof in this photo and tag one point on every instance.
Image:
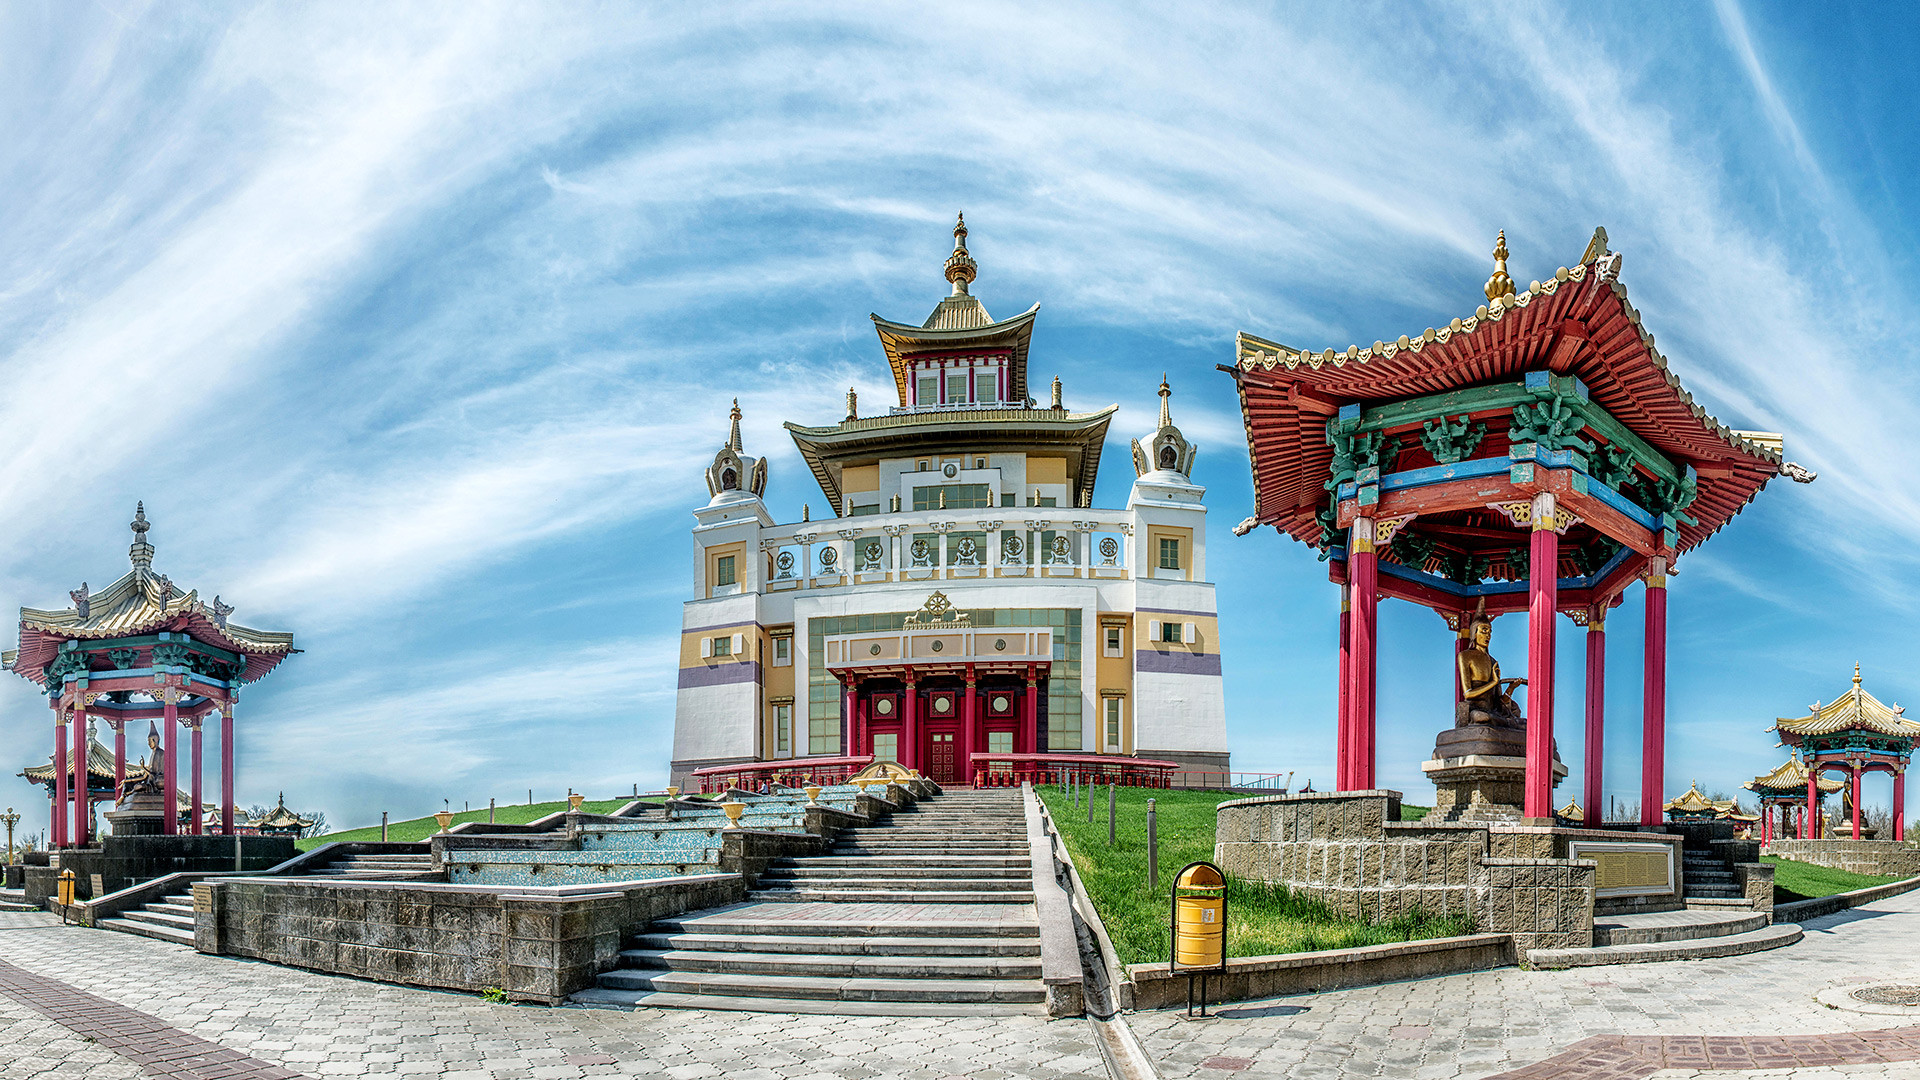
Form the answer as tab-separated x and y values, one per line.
281	818
960	324
139	604
1693	802
1855	710
1790	779
99	766
1078	436
1572	811
1578	322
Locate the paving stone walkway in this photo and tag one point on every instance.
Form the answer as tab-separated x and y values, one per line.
1591	1022
125	995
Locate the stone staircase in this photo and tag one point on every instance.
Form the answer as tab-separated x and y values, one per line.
1704	877
1671	935
931	914
400	867
169	918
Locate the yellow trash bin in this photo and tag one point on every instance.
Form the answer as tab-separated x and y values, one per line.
1199	926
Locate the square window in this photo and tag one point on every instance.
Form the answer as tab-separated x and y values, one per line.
929	391
886	748
1169	553
999	742
986	385
723	570
723	646
1170	633
1006	499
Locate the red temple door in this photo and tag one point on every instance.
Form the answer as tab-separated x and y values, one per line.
941	766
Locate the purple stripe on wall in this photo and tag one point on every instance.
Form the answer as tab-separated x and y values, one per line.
1176	611
1173	662
733	671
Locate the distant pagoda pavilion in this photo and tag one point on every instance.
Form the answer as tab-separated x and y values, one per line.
1856	734
281	821
107	775
140	649
1694	806
1783	800
1536	456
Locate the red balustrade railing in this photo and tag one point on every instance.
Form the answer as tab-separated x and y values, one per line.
791	772
1010	770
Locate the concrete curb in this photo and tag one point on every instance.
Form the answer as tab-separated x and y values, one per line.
1120	1049
1249	977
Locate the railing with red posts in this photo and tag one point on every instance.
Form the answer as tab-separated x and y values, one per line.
789	772
1010	770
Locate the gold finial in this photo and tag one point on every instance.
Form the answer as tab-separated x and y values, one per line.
1166	392
1856	673
733	437
1499	285
806	511
853	404
1056	392
961	269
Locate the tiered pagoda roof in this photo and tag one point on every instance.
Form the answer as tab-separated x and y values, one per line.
1855	710
1790	779
1578	327
958	327
140	605
281	819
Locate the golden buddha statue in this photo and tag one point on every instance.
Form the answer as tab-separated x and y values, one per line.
1483	693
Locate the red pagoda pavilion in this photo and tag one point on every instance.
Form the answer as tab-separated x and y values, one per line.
1784	803
1854	735
141	649
1537	456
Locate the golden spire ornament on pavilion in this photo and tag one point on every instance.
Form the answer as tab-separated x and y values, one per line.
961	269
1500	286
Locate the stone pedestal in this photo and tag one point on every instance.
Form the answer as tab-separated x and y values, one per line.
140	813
1479	772
1843	830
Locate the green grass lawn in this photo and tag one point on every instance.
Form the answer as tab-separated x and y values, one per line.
1261	919
401	832
1803	881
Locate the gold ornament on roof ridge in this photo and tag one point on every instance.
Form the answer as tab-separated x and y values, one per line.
1499	286
961	269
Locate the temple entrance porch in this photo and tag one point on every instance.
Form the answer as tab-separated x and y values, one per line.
938	719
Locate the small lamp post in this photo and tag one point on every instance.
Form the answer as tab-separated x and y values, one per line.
10	819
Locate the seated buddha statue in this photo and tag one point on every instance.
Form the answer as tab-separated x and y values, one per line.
1483	693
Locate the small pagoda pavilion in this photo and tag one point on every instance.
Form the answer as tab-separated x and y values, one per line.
143	648
1854	735
281	821
107	775
1783	800
1537	456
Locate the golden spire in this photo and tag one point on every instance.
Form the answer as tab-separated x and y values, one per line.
961	269
733	438
1856	674
1166	392
1499	285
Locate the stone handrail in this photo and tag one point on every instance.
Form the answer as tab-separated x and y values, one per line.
1060	968
1119	987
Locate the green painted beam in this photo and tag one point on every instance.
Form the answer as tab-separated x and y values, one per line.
144	640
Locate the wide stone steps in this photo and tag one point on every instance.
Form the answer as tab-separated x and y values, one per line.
379	868
912	966
893	873
891	896
169	918
843	944
828	988
1772	937
1674	926
908	862
623	1000
835	920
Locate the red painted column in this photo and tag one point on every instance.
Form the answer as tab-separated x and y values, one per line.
81	780
1027	739
59	775
862	743
1900	804
199	820
1853	781
1813	796
226	768
1363	568
1653	702
1596	751
119	759
169	788
1542	612
1343	721
910	725
846	714
969	711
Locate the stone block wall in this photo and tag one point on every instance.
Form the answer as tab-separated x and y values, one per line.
1349	851
537	944
1892	858
1755	880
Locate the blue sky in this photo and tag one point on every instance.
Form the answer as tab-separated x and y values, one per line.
414	326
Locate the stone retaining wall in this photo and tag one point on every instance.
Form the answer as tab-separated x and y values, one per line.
1882	858
1349	851
537	944
1155	987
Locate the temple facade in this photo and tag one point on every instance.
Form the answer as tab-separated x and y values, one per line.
960	606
